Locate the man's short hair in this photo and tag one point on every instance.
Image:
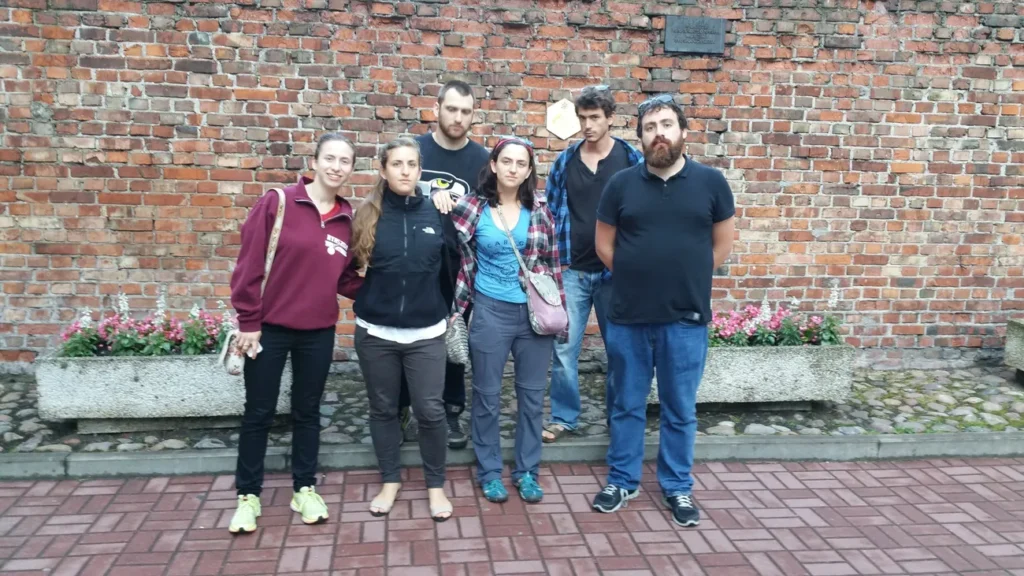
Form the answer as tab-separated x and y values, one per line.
460	87
653	105
596	97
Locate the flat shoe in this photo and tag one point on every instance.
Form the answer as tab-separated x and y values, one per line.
436	513
383	509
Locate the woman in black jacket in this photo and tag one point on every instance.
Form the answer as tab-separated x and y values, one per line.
407	249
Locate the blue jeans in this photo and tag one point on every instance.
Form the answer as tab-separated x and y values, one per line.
583	290
678	350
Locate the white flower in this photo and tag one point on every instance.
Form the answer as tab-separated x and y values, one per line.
161	306
765	314
86	320
794	302
750	326
122	305
227	323
194	312
833	296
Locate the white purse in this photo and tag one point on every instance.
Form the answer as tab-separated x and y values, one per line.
229	358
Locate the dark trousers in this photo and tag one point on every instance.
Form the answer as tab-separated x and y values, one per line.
383	363
312	352
454	395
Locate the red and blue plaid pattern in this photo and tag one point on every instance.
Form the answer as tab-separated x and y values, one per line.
541	254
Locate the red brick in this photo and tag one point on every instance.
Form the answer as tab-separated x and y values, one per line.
201	146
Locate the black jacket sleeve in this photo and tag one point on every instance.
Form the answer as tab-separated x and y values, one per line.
451	259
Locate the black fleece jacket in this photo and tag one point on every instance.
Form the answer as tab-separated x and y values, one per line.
410	279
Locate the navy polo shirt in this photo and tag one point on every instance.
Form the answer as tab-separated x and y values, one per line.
663	260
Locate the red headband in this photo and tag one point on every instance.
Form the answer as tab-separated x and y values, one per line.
515	140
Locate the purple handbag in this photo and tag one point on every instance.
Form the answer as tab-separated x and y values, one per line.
547	315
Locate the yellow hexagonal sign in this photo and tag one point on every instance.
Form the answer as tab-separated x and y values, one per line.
562	120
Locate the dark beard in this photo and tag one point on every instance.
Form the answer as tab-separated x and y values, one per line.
445	130
659	157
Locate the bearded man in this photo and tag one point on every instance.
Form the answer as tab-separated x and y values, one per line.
663	226
451	168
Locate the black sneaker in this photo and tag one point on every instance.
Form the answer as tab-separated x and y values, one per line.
684	513
410	429
457	439
612	498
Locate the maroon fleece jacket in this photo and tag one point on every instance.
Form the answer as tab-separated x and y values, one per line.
312	265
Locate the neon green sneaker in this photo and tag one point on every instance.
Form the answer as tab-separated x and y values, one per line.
248	511
310	505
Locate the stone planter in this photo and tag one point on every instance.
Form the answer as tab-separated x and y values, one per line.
135	388
1014	353
775	374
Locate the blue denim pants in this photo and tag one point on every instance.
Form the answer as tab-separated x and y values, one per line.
679	351
583	291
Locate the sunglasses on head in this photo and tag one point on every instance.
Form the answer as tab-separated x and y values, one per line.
659	99
596	88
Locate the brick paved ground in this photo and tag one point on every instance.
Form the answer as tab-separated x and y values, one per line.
933	517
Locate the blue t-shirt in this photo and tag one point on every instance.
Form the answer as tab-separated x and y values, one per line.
497	269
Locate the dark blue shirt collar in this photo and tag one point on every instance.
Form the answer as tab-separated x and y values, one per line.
681	174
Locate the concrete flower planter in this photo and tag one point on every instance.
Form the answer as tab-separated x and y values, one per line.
1014	353
134	388
775	374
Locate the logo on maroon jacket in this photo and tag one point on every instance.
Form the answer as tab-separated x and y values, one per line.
335	246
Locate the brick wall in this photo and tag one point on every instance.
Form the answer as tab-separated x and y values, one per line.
877	144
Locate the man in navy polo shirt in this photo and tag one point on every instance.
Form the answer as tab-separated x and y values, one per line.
662	228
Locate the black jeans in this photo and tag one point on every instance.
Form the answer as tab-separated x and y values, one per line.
312	352
382	363
454	395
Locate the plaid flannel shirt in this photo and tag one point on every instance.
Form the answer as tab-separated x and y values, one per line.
558	194
541	253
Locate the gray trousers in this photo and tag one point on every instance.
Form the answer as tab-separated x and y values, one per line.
496	329
382	363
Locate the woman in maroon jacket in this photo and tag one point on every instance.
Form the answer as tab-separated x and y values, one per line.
297	314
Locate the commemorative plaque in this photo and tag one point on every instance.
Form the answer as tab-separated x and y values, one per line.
695	35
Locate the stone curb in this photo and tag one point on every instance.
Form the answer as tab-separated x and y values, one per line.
709	448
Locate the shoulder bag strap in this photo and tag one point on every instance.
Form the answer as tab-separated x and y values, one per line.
275	235
522	264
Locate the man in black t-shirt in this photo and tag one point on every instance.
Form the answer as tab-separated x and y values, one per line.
663	227
451	165
573	189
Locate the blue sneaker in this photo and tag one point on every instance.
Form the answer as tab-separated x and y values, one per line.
529	490
495	491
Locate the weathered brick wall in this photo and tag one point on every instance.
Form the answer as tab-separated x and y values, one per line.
877	144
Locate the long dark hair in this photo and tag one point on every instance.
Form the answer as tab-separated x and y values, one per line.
488	188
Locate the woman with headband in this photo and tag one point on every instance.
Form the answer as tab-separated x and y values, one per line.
506	205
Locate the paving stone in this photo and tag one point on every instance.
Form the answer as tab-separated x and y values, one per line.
892	396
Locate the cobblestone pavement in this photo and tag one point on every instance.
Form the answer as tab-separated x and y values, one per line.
979	399
937	517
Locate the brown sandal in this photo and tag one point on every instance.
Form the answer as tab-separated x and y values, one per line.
556	430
